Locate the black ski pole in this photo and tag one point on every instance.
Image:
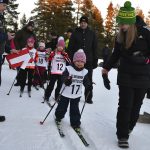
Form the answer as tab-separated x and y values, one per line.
13	82
85	102
42	122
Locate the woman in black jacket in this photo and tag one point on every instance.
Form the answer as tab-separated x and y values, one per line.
132	49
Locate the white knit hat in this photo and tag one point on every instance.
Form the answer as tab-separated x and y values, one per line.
42	44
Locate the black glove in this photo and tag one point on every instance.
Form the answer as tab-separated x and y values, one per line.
95	62
68	81
106	81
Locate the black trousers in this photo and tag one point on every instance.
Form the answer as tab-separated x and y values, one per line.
50	87
130	101
74	110
23	75
89	67
0	73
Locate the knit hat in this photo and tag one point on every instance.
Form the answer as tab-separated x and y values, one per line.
42	44
30	23
31	39
61	42
84	19
79	56
126	14
4	1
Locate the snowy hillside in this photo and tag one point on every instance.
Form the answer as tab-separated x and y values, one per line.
22	131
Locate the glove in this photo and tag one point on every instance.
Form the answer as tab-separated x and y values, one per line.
106	81
68	81
95	61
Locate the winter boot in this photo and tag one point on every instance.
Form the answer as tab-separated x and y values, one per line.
123	143
2	118
21	91
89	101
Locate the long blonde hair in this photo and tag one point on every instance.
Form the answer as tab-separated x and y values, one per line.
130	37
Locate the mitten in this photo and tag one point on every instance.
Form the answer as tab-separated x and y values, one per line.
106	81
68	81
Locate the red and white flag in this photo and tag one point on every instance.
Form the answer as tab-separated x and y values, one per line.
19	60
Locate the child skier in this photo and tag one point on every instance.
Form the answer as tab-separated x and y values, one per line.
41	66
27	68
58	59
73	78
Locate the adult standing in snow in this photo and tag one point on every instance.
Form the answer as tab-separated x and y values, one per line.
84	38
3	38
21	38
132	49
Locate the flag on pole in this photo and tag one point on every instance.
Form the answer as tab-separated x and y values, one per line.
19	60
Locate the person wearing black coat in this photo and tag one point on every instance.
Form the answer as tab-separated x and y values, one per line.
23	34
132	48
21	37
84	38
3	38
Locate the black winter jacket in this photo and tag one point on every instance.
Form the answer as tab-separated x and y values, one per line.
133	70
22	36
3	35
86	40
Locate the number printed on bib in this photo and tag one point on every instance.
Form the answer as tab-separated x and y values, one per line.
75	89
42	59
58	64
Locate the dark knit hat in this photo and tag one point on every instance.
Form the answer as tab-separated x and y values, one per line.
30	23
126	14
4	1
70	30
84	19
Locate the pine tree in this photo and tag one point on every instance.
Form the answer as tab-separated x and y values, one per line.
53	15
23	21
78	12
110	25
98	28
12	15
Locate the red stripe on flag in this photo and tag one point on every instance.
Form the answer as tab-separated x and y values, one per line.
13	56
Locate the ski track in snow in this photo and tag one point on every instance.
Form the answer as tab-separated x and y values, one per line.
22	130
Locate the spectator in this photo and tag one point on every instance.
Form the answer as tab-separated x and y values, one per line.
84	38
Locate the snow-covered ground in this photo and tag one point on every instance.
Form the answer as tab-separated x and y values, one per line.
22	131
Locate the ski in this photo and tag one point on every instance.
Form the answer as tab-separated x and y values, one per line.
48	103
78	131
59	127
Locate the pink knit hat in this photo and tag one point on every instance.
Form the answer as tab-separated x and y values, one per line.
79	56
61	43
